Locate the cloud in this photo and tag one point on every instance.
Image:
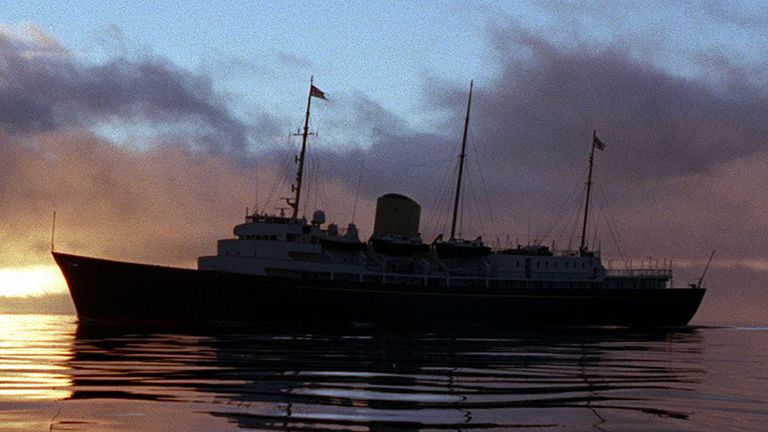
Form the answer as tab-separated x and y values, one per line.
43	93
748	16
29	41
658	124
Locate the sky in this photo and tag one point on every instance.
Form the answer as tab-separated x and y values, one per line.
150	127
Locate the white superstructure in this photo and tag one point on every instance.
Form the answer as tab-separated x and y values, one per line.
283	246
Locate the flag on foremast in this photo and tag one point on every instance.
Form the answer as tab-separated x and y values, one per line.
316	92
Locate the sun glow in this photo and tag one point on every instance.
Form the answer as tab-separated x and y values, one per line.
31	281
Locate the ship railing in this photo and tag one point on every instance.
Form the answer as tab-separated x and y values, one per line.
574	253
538	250
638	266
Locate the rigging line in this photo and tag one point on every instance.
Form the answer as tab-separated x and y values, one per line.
279	176
440	202
611	221
572	201
569	227
256	186
573	232
317	197
573	209
528	230
595	230
322	186
286	176
357	190
450	192
484	186
462	203
470	202
561	212
604	209
310	170
443	210
312	189
318	186
445	204
474	200
583	204
307	186
577	220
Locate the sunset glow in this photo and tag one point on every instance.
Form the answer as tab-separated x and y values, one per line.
31	281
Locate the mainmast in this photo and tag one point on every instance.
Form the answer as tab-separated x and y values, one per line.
294	203
461	166
596	143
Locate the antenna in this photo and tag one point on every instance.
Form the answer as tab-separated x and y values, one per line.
701	279
53	231
357	192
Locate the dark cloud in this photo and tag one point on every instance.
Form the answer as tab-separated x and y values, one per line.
747	16
658	124
45	93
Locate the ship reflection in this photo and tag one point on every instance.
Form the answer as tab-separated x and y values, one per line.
365	379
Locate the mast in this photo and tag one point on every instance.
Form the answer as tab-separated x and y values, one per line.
300	159
589	189
461	165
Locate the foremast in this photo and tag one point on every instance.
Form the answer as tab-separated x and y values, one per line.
296	189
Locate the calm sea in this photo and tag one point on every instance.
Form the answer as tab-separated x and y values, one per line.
57	375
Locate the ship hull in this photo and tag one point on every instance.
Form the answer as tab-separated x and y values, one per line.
114	290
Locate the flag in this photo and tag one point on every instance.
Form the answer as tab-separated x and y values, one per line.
597	143
316	92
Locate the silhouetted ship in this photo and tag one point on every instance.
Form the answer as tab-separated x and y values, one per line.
284	269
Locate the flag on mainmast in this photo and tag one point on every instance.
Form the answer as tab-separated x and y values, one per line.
597	143
316	92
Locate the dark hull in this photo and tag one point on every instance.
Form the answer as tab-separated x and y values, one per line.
112	290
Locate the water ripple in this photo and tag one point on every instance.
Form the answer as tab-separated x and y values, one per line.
93	377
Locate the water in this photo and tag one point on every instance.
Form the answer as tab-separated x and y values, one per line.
56	375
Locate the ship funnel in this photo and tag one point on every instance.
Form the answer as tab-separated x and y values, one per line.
396	215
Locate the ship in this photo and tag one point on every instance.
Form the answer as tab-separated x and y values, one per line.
286	270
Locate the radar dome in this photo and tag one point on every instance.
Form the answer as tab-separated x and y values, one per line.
318	217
